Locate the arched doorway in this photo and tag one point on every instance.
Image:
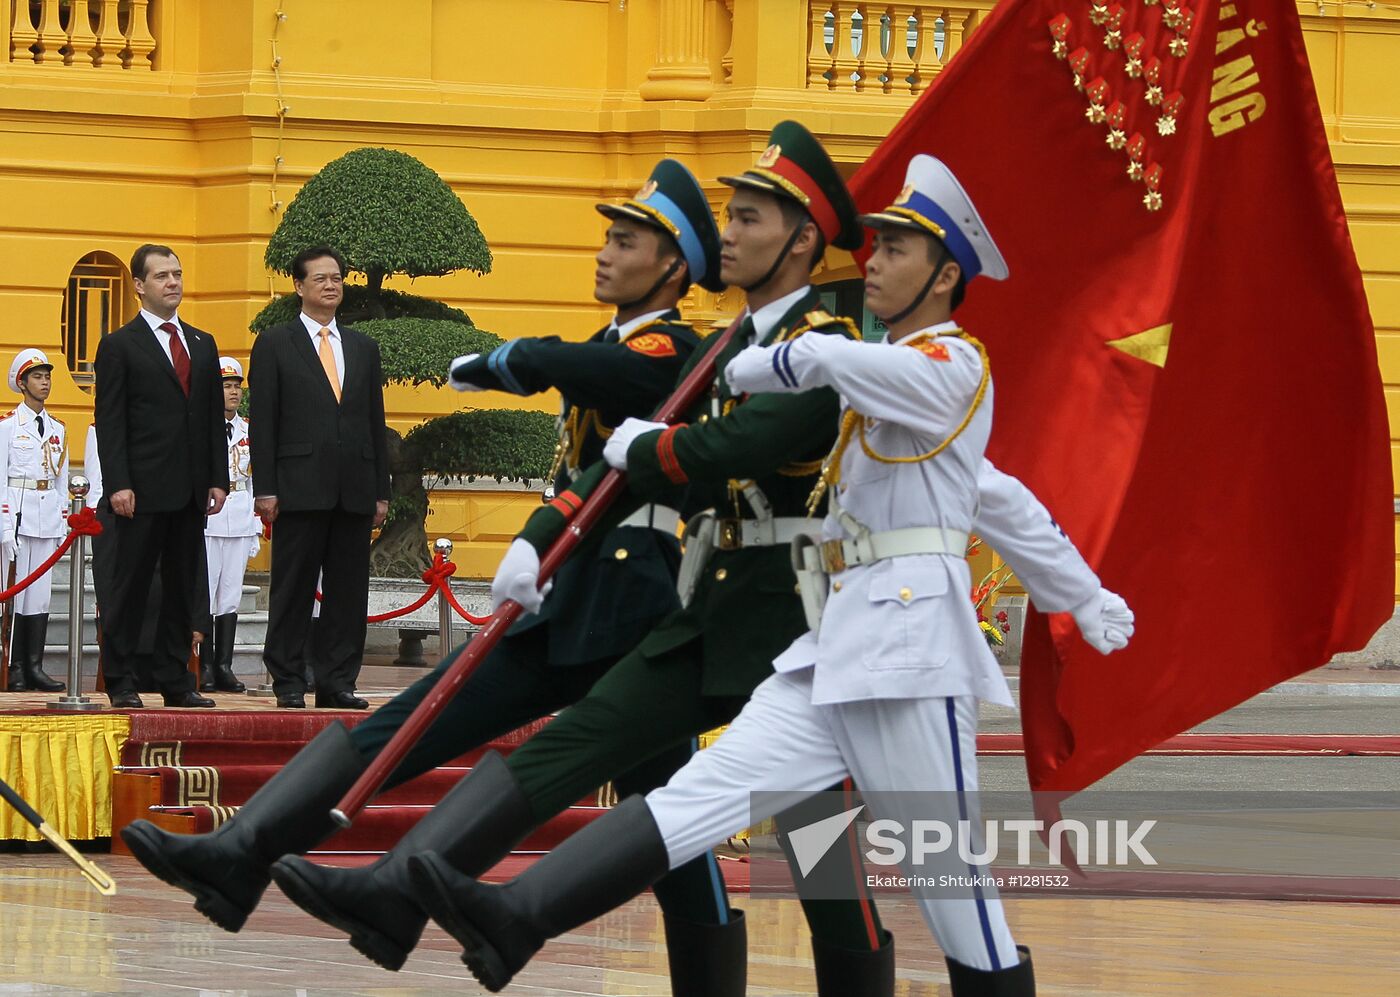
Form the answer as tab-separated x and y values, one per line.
99	298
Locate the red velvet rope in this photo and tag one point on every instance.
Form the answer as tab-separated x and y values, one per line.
437	579
82	524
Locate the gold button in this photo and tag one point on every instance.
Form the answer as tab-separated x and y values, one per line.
797	588
704	418
836	586
621	554
906	594
721	575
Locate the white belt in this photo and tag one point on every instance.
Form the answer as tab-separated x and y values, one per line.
734	534
658	517
33	484
838	555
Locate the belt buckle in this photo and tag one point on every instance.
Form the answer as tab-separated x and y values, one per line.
42	485
730	535
833	556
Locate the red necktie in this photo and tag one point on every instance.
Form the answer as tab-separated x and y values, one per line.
178	356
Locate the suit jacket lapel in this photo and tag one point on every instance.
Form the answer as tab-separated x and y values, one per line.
301	344
146	340
354	359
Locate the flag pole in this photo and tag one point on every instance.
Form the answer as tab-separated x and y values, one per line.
456	675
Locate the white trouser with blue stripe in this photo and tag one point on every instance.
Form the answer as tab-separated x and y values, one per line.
781	744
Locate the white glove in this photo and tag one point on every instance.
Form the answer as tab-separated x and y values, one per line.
615	450
1105	621
518	578
462	385
752	370
7	549
255	545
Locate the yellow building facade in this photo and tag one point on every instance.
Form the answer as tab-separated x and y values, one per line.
194	123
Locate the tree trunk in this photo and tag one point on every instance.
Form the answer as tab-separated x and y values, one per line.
374	283
401	550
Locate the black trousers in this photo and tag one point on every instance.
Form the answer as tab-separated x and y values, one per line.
333	545
135	547
514	685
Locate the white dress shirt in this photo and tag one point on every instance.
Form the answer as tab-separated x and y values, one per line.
768	317
314	328
163	337
626	329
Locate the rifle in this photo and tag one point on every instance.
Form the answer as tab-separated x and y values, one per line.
7	620
687	393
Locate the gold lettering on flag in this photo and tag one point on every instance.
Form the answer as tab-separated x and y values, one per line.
1234	99
1149	346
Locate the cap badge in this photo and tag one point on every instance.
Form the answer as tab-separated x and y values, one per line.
770	156
648	189
905	195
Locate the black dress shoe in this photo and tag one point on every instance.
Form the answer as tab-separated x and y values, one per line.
125	701
340	701
190	700
292	701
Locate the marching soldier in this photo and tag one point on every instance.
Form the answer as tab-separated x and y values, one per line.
34	452
657	244
884	687
231	537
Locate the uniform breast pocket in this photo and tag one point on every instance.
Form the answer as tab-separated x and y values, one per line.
294	450
907	615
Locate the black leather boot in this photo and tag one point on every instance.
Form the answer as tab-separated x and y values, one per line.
473	827
37	631
1018	981
226	870
18	650
843	972
500	928
225	628
708	960
207	650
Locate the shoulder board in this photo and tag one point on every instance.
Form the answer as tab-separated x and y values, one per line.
824	321
930	347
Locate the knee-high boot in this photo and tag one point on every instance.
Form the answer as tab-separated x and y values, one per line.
1018	981
36	632
227	870
225	629
208	648
843	972
473	827
500	928
18	651
708	960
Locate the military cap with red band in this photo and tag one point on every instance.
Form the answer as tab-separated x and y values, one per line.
796	166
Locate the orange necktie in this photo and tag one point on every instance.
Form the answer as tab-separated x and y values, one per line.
328	361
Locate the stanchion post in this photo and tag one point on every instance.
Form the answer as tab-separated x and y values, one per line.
74	700
443	547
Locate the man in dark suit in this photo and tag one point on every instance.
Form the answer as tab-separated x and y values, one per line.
159	417
321	474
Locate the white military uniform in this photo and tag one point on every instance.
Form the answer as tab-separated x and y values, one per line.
231	535
886	689
34	467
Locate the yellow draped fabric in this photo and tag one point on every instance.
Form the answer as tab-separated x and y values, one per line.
63	766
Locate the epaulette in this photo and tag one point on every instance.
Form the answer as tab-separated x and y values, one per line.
821	319
8	415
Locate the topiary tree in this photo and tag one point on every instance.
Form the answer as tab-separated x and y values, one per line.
388	213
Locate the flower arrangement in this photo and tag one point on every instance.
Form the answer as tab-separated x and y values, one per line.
992	582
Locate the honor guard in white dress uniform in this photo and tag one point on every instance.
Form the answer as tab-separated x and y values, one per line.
34	449
231	537
884	687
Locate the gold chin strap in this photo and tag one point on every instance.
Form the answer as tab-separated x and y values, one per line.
853	424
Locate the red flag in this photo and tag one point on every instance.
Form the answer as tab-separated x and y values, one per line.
1184	360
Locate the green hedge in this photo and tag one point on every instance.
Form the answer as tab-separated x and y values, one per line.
359	305
419	351
499	443
387	213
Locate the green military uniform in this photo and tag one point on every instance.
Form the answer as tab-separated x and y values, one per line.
697	668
